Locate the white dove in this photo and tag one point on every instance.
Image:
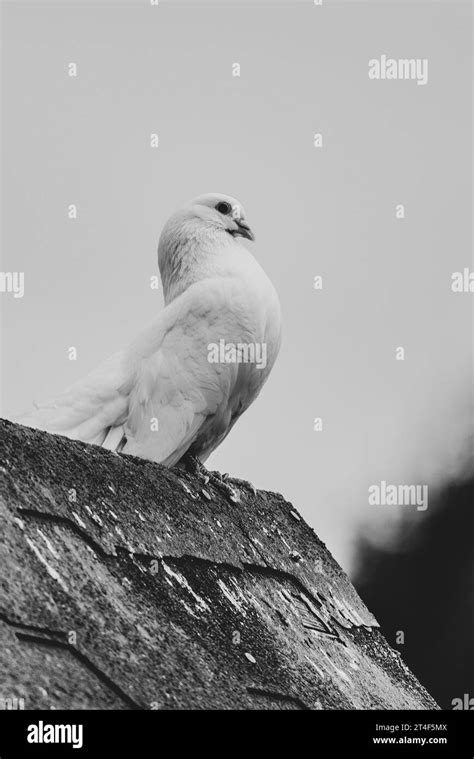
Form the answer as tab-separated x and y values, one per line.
162	397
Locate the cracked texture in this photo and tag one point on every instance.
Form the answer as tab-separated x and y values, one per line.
123	587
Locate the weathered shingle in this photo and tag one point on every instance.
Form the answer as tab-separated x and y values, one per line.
123	586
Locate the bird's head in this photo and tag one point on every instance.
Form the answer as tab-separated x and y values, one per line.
195	236
223	213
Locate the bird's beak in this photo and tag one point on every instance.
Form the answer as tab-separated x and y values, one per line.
243	229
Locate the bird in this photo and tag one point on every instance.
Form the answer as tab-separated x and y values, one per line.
174	393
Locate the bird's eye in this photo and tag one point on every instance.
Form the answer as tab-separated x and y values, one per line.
224	207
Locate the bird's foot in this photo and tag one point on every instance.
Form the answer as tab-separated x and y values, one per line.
221	482
194	467
247	484
197	469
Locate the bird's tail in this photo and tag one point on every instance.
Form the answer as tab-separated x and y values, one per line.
93	410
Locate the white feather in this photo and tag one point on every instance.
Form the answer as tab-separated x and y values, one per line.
161	397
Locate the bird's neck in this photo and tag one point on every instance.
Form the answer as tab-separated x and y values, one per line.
191	254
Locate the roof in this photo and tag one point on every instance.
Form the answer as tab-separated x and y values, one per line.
129	585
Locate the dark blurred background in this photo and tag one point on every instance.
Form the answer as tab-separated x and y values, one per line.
423	584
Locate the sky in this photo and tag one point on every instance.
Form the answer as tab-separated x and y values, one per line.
328	211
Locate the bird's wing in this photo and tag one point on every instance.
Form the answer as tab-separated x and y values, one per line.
161	390
175	389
